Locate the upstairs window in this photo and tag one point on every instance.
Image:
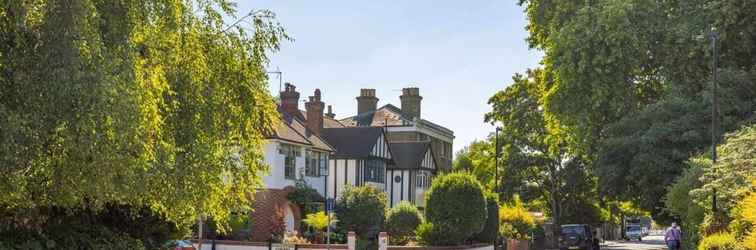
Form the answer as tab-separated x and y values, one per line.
375	171
316	163
290	153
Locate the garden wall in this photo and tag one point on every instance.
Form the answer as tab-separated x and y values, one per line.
244	245
470	247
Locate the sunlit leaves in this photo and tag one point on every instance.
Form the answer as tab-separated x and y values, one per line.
133	102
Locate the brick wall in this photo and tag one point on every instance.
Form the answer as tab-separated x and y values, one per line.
267	204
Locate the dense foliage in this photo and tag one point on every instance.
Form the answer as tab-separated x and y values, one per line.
401	222
142	105
361	209
748	216
491	228
156	104
626	84
456	206
720	241
430	235
515	222
113	227
305	196
538	165
734	170
681	205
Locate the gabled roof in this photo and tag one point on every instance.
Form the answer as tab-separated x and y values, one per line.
353	142
292	129
409	155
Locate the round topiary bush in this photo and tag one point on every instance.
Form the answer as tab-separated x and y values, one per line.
361	209
401	222
456	205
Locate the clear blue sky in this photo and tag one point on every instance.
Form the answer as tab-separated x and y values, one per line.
457	52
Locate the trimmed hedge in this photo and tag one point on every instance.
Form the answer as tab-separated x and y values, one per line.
491	228
456	206
401	222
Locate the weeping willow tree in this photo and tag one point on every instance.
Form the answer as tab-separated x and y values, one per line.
154	104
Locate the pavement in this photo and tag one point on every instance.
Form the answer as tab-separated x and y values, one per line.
651	242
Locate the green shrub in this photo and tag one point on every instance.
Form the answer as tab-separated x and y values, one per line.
491	228
456	205
681	204
719	241
361	209
431	235
515	221
305	196
69	237
401	222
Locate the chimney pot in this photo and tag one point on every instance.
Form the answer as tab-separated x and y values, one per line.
314	110
411	99
330	113
367	101
290	100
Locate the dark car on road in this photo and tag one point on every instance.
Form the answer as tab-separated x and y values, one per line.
577	236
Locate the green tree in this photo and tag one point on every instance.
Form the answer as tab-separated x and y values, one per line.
536	156
653	145
735	169
478	160
156	104
626	83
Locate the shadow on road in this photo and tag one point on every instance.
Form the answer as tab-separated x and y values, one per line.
649	243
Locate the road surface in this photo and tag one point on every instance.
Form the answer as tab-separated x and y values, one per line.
651	242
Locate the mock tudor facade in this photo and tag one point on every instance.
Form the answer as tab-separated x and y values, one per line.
390	148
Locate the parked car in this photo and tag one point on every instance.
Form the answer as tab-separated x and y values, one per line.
577	236
180	245
634	232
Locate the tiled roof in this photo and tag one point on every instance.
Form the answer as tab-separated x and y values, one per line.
409	155
353	142
293	129
388	115
328	122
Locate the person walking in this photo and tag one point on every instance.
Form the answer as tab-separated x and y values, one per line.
673	237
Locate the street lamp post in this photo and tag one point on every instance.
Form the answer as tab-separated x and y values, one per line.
714	113
497	151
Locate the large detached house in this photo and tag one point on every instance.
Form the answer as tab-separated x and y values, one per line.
390	148
361	158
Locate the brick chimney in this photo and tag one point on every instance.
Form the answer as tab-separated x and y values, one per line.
330	113
367	101
411	101
314	109
290	100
